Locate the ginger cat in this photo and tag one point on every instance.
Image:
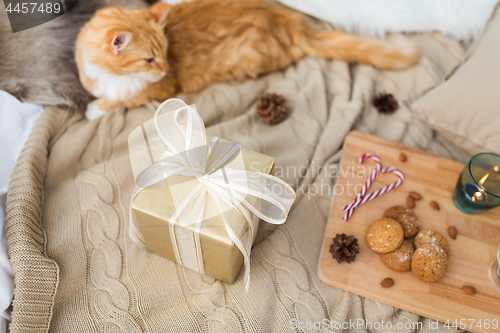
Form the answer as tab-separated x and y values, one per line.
129	57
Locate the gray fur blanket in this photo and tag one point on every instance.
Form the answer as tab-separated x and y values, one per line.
37	65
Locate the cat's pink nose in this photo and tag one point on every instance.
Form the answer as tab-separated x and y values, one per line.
165	70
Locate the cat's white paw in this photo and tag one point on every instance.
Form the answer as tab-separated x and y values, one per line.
93	112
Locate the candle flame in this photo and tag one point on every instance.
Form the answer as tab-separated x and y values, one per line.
482	180
495	168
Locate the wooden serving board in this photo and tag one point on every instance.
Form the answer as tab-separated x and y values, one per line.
471	253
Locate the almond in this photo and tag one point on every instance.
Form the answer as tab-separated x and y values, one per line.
387	283
415	195
468	289
452	231
402	157
434	205
410	202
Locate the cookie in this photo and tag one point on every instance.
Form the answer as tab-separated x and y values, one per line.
400	259
384	235
394	211
432	236
406	217
429	262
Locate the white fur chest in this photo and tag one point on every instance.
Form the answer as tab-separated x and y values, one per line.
112	86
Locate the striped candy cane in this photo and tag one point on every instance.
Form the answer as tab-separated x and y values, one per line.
387	188
361	198
370	180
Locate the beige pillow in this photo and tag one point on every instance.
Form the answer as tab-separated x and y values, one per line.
465	108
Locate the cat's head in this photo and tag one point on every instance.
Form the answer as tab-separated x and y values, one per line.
124	41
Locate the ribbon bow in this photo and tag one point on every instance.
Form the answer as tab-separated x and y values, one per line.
237	193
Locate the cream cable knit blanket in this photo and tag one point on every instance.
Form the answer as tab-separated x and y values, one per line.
76	270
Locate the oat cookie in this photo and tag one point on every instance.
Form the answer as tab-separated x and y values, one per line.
400	259
429	262
432	236
394	211
406	217
384	235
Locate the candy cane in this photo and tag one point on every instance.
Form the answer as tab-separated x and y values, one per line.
387	188
369	181
361	198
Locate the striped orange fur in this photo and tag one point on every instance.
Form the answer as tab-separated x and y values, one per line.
197	43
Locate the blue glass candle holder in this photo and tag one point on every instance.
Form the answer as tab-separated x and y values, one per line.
478	187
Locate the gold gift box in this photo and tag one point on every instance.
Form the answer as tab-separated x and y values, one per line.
154	206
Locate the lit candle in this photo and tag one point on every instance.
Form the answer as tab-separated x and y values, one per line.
478	187
475	193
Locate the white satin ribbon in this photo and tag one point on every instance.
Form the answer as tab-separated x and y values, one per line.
235	192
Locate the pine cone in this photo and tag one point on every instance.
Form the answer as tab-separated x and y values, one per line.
344	248
385	103
271	108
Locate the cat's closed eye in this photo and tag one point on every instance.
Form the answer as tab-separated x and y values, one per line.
149	60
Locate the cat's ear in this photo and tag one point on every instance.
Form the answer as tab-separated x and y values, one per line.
121	41
160	12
